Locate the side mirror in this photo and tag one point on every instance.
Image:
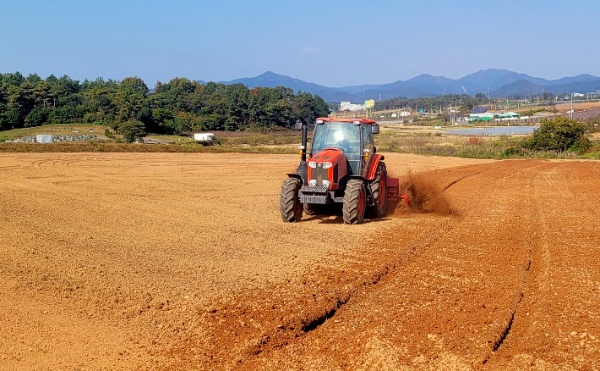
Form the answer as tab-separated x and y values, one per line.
375	129
298	125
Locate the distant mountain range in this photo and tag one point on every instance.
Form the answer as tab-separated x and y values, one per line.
493	82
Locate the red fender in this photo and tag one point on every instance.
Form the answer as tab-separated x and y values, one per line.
372	170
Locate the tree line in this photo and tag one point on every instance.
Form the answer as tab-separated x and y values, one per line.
466	102
177	107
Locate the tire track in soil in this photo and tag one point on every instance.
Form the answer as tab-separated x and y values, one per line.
311	315
423	312
9	167
539	257
459	179
293	315
58	160
537	246
283	317
416	271
504	329
552	328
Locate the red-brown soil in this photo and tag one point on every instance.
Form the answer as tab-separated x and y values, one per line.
180	261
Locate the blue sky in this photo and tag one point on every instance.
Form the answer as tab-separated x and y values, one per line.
331	43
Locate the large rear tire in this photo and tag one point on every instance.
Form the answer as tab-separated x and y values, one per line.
379	192
355	202
290	206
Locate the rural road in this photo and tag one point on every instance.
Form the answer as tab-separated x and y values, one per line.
180	261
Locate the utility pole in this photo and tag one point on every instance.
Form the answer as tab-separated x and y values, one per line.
571	113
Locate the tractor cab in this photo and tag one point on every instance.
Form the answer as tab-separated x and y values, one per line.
353	139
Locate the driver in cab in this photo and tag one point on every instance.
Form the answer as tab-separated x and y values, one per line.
341	141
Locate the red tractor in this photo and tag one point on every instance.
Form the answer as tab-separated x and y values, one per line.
342	167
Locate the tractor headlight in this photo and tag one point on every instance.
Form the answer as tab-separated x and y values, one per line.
312	183
326	183
327	165
312	164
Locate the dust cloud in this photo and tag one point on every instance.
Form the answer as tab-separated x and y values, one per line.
424	195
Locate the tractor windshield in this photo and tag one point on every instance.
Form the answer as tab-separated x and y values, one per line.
342	135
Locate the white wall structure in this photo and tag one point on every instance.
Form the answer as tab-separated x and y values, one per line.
43	138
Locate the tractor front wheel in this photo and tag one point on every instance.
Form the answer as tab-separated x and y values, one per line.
289	203
355	202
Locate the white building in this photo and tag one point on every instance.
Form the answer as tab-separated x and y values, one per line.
348	106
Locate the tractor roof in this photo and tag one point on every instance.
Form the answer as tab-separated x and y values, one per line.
351	120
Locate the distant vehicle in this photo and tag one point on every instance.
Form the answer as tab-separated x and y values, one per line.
205	138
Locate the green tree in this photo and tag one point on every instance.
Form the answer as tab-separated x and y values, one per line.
60	88
559	134
19	103
14	79
130	98
132	131
36	117
308	107
97	100
593	124
236	107
257	101
178	106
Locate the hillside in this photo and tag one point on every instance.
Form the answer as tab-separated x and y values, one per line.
491	82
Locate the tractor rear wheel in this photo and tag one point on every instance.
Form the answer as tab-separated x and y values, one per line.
355	202
289	203
379	191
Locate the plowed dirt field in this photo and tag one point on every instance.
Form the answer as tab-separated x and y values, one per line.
180	261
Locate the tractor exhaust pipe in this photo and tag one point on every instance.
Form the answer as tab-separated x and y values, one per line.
302	167
302	125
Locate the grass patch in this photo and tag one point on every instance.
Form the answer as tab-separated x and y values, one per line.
431	143
285	142
437	144
54	129
257	139
243	142
133	147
